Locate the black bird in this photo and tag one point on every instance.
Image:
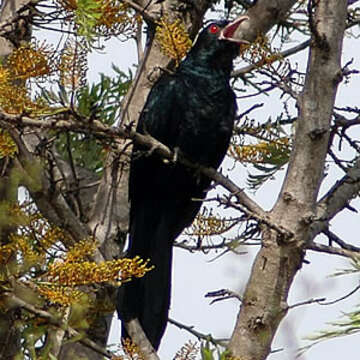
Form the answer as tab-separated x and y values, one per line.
191	110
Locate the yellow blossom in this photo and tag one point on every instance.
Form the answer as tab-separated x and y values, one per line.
112	12
4	75
81	250
61	295
29	60
7	146
86	272
260	53
207	225
52	235
131	350
173	38
15	99
6	251
23	245
263	152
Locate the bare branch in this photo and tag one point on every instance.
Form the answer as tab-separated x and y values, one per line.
198	334
352	292
344	245
101	130
337	198
223	294
332	250
306	302
283	54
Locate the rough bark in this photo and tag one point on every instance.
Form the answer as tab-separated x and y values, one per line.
264	303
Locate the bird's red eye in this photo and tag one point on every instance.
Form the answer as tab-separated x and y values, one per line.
213	29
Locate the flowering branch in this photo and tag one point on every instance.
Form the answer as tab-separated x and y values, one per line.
17	302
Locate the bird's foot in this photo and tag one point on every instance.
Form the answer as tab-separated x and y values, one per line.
174	157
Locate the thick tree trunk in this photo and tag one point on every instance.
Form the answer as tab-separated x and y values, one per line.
265	300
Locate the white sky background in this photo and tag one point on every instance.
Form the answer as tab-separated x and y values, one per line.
195	275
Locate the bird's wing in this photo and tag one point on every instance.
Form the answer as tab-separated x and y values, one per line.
161	118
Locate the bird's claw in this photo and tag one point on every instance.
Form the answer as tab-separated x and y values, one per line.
175	155
174	158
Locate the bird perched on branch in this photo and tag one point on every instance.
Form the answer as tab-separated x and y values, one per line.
192	110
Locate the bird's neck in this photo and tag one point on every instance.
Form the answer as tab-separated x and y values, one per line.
204	65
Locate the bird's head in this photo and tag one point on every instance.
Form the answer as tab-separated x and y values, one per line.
218	43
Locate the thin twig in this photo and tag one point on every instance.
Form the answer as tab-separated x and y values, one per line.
342	297
223	294
306	302
198	334
283	54
340	242
332	250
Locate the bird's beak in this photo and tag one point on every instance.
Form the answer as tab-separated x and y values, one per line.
230	32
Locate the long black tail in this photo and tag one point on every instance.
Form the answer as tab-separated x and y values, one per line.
148	298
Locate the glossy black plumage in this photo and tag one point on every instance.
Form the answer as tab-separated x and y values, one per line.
192	110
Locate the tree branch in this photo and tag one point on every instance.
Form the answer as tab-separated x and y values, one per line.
100	130
138	336
283	54
17	302
336	199
197	334
344	245
332	250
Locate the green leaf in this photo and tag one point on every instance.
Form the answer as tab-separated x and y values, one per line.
206	352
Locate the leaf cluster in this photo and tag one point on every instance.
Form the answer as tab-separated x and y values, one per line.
100	101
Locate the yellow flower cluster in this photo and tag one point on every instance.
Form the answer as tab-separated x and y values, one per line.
189	351
7	146
260	52
33	237
173	38
86	272
29	60
263	152
52	235
32	223
61	295
208	225
15	99
6	251
132	350
113	12
23	245
80	251
20	248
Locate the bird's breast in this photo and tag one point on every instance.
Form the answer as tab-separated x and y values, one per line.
207	122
